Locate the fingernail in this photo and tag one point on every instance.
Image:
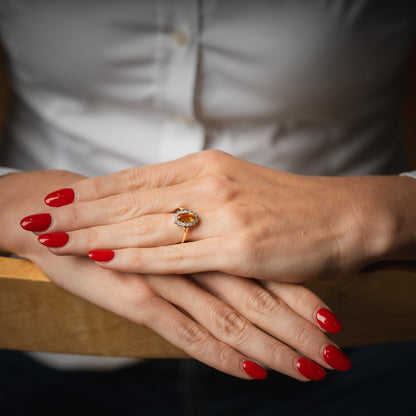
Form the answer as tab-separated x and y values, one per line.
37	222
328	321
60	197
101	255
254	370
310	370
53	239
336	358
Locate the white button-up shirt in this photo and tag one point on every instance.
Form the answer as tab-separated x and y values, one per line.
311	87
301	86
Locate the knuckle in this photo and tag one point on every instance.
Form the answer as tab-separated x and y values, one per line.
95	185
212	157
276	352
191	333
91	237
146	226
229	323
219	186
137	257
174	254
126	206
301	297
304	335
132	178
75	215
142	299
222	355
263	303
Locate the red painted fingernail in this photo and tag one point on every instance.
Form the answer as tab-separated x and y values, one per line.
254	370
54	239
336	358
37	222
101	255
310	370
328	321
60	197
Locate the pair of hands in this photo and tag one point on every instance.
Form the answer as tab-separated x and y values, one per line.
255	222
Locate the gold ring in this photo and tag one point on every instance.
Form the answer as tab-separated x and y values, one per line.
186	219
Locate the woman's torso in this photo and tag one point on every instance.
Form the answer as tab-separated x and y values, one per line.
307	87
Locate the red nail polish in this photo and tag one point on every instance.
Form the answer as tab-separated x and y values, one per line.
336	358
328	321
37	222
60	197
53	239
254	370
310	370
101	255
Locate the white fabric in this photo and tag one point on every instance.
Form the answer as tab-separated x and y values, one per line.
311	87
308	87
6	171
411	174
90	362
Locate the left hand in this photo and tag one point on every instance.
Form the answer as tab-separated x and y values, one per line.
223	321
254	221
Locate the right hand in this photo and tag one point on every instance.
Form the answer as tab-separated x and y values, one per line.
222	321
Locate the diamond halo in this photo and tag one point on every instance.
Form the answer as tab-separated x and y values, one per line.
185	218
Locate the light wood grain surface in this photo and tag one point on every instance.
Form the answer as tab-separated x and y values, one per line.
36	315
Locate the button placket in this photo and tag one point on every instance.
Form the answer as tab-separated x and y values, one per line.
182	134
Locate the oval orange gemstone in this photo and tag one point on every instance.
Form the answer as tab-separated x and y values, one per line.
186	217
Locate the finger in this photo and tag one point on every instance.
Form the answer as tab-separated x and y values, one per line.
261	307
307	304
145	231
144	177
194	195
194	257
195	340
228	326
130	297
119	208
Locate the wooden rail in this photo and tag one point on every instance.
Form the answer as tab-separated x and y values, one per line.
37	315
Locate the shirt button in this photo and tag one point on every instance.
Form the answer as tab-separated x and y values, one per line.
180	37
182	119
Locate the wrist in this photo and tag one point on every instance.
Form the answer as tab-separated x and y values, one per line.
387	219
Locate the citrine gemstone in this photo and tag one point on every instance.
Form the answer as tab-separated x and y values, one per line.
186	217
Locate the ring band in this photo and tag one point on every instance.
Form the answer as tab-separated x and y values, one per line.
186	219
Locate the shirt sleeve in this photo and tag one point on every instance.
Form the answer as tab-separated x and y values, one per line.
5	171
412	174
